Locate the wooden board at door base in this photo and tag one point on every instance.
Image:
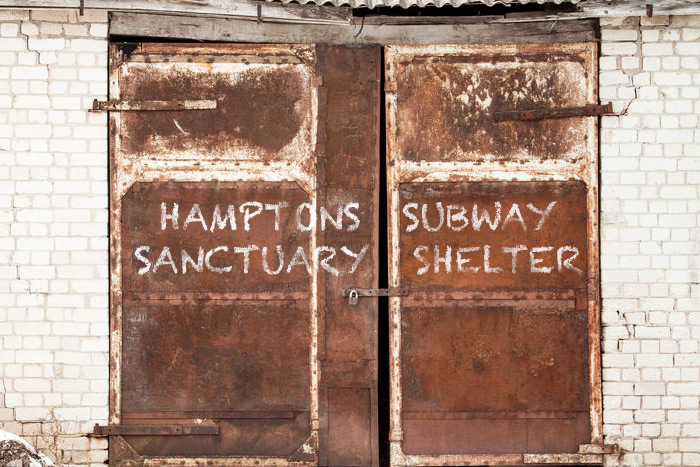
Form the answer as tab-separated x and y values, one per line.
232	228
493	229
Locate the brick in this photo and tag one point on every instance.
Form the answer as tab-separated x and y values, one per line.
654	360
66	102
31	102
655	20
98	30
670	78
645	389
44	44
94	16
613	78
650	49
78	30
692	48
684	389
665	445
12	44
689	444
618	416
9	30
619	35
88	45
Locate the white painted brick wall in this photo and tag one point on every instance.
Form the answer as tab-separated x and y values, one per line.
53	235
650	239
53	232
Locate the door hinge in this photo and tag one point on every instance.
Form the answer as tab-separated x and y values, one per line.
539	114
354	294
124	106
156	430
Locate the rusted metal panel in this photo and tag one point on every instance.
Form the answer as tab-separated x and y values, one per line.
538	349
463	88
213	278
596	459
493	230
261	346
350	168
265	108
225	237
349	422
493	235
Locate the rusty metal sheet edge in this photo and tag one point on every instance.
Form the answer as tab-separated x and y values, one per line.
594	331
407	53
591	459
224	462
122	106
496	171
115	299
403	460
399	458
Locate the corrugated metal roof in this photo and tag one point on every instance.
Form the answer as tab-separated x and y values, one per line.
422	3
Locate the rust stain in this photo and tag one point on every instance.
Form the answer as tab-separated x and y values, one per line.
436	96
447	98
262	108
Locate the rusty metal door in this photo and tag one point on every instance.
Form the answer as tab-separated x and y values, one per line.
243	198
494	352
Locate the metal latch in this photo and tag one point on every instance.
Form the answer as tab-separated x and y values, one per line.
123	106
156	430
539	114
355	294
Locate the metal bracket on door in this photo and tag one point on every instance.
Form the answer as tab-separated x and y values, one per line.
539	114
355	294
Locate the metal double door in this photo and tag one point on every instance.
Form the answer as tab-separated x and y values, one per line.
246	192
